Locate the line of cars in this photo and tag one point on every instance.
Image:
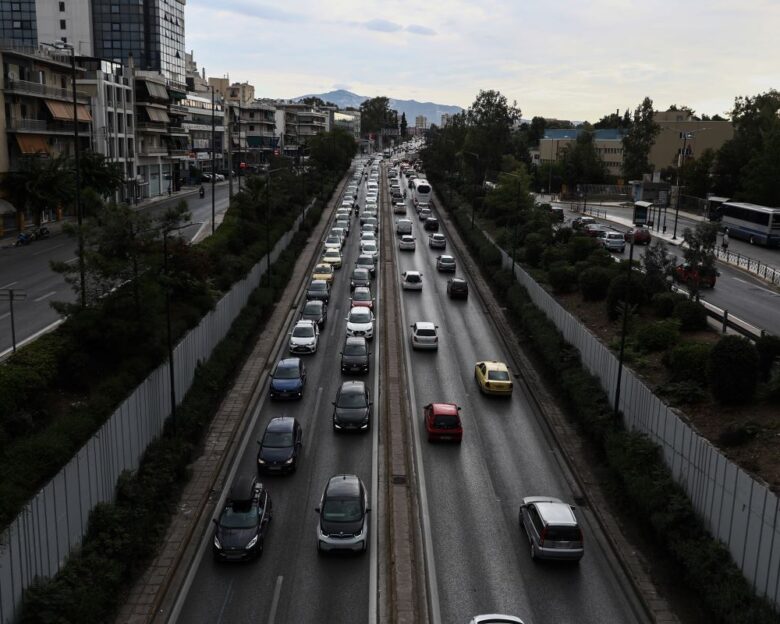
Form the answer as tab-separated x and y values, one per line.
342	523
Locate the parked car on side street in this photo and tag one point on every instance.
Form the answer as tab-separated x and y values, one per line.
693	275
613	241
641	236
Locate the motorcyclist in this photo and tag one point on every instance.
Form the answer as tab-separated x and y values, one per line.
201	191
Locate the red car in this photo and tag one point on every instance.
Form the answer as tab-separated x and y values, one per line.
595	230
688	274
442	422
640	235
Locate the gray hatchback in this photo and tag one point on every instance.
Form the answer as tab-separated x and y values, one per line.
552	528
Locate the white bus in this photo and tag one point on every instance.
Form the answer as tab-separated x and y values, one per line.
421	191
751	222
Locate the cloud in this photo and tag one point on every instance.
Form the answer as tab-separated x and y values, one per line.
420	30
382	25
246	8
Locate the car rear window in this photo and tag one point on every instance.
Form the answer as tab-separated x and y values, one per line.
498	376
563	534
412	278
426	332
355	349
445	422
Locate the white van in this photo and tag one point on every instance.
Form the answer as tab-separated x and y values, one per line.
403	226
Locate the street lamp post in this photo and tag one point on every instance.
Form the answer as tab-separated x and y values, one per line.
268	220
213	167
240	152
686	136
61	45
625	327
474	189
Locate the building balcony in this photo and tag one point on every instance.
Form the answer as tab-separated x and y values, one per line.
150	126
25	87
178	153
178	131
152	150
44	126
177	109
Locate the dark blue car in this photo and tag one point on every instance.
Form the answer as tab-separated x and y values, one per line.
288	379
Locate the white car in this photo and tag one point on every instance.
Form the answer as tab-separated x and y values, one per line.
360	322
304	338
333	242
369	248
411	280
340	232
367	236
424	335
403	226
407	243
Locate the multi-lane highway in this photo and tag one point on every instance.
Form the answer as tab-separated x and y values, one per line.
27	269
482	562
291	582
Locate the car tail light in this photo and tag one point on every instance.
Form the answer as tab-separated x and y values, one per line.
542	536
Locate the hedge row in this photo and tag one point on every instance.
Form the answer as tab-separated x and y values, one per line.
123	536
57	391
634	461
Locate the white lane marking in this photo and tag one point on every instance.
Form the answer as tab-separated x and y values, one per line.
771	292
275	601
8	285
225	602
71	261
48	249
40	332
333	324
6	315
46	296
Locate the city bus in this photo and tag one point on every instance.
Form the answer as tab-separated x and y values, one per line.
712	210
751	222
421	192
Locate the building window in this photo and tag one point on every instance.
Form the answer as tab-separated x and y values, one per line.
63	26
16	6
62	7
17	24
115	8
116	27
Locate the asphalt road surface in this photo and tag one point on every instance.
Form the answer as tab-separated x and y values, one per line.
482	562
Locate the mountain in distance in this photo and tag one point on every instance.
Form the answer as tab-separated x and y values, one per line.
432	111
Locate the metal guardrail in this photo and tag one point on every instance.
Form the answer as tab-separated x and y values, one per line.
755	267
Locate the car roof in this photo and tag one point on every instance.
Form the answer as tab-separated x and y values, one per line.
353	386
305	322
289	362
446	257
362	289
494	365
318	282
361	270
360	309
343	485
281	423
552	510
318	303
355	340
444	409
457	280
323	266
424	325
407	237
411	272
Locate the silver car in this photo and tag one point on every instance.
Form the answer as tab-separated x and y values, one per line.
552	528
613	241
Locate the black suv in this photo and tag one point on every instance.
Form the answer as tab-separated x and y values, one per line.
241	527
280	446
431	224
457	288
318	289
352	407
355	356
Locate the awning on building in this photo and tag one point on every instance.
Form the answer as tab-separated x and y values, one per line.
155	114
6	207
31	144
156	90
63	111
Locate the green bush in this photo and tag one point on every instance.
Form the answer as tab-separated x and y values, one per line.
621	291
594	283
562	277
768	348
663	303
683	392
533	249
732	369
656	336
553	254
691	314
688	362
580	248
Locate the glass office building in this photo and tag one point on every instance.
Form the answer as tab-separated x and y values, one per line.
17	23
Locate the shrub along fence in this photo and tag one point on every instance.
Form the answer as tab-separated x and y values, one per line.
688	478
53	523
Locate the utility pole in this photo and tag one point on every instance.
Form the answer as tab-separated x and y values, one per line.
685	137
229	124
213	166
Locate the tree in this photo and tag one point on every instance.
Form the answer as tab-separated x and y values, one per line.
658	265
490	121
313	100
404	125
699	251
582	164
95	172
638	140
697	174
759	178
375	115
40	184
614	120
510	199
333	150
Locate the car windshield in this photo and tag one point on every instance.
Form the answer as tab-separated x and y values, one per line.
318	286
286	371
445	422
362	296
312	307
278	439
333	239
355	349
360	315
498	376
340	510
447	260
369	247
323	268
303	331
352	399
360	274
365	260
239	517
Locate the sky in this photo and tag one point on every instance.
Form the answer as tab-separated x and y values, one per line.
575	59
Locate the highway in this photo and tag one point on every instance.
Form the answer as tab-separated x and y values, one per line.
27	269
482	562
291	582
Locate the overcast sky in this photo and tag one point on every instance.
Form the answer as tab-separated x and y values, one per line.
575	60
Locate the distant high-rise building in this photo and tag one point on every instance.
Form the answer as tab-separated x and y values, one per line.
445	119
421	122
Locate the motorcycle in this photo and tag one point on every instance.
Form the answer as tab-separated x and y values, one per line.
202	192
24	238
40	232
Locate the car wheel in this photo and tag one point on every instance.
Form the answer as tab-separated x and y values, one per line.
752	240
533	552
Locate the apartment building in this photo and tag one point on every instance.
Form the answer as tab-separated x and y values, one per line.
204	122
349	121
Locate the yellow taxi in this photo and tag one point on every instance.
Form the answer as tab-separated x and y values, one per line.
493	377
332	257
323	271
